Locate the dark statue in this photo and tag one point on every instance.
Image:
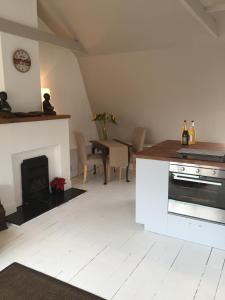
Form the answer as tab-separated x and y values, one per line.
4	105
47	107
3	224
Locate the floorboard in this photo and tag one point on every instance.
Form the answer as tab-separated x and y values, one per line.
208	284
94	243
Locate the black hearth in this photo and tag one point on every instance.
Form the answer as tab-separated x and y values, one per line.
35	180
28	212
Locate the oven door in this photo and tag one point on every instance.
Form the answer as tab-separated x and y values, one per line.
197	196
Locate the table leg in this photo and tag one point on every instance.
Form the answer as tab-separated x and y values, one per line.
127	170
93	152
93	149
127	174
104	159
94	170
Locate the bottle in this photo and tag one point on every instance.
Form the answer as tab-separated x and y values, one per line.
192	134
185	134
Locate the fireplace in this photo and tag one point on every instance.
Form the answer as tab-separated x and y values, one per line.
36	196
26	140
35	180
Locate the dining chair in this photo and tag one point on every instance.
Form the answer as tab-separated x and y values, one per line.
85	159
138	139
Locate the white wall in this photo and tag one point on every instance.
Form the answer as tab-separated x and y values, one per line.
2	81
158	89
21	11
60	72
23	89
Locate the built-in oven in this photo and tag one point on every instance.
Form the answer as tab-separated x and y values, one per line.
198	192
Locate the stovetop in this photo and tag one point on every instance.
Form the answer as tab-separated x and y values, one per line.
201	154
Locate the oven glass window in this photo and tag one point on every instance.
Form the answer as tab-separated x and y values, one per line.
202	190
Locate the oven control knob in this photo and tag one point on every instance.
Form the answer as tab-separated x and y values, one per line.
198	171
214	172
182	169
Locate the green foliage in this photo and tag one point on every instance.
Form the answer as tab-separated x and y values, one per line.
105	118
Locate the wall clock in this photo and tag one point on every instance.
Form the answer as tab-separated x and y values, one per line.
22	60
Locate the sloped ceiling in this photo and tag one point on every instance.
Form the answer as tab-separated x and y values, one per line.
208	3
110	26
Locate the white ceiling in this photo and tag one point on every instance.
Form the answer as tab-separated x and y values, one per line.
209	3
109	26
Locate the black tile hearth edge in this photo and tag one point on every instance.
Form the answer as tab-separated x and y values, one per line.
27	213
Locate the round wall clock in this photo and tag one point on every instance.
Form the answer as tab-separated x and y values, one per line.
22	60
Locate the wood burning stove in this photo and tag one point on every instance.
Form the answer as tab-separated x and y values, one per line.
35	180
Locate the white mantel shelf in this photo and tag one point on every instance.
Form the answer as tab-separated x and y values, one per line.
32	119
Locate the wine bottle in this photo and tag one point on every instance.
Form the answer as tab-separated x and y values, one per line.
185	134
192	134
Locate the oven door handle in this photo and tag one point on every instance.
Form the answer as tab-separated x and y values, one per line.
176	177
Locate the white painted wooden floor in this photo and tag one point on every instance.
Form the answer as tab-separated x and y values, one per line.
93	242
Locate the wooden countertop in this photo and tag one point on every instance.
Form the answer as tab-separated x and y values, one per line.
32	119
167	151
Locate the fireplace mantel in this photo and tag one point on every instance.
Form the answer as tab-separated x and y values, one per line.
26	139
32	119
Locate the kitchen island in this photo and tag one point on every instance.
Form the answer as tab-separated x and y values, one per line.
155	185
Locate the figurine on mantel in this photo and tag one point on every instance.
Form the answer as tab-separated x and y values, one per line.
47	107
5	108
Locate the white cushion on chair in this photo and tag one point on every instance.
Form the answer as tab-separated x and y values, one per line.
94	159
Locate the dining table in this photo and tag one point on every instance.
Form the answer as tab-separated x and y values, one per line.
105	147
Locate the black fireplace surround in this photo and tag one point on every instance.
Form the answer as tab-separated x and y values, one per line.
35	180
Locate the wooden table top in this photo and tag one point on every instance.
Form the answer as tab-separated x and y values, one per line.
109	143
167	151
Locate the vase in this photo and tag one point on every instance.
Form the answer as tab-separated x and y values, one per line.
104	133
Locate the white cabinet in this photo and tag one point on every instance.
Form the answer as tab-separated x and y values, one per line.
152	180
152	194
